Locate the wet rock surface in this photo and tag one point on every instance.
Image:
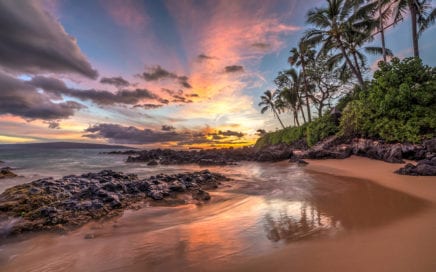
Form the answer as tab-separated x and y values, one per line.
60	204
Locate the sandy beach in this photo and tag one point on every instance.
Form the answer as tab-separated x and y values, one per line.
408	244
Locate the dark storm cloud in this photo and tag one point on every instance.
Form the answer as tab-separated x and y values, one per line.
132	135
116	81
167	128
158	73
261	45
32	41
21	99
234	69
57	88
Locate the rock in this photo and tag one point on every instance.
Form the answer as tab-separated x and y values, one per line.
302	162
426	167
200	195
89	236
7	173
71	201
430	145
152	163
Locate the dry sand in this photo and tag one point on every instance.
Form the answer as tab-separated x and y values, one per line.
408	244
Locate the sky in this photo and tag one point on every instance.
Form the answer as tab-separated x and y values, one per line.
176	73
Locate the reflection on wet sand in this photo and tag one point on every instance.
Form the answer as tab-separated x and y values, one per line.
267	207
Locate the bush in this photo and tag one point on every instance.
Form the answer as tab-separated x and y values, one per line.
310	132
399	104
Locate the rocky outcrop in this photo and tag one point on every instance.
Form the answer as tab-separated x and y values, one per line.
56	204
6	172
224	156
426	167
339	148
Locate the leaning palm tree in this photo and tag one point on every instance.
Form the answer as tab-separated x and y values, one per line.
332	24
267	103
422	15
301	56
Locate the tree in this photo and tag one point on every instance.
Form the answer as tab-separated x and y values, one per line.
267	103
289	89
326	83
336	25
422	16
301	56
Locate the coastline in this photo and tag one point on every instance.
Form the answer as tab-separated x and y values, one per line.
405	245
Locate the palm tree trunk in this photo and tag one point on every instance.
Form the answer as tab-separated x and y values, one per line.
278	118
306	89
413	12
356	63
348	60
302	114
382	30
296	118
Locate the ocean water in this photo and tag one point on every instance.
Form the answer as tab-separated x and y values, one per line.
267	206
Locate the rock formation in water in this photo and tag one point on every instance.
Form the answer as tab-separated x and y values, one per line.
6	172
57	204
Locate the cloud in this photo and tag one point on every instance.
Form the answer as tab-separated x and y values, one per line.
148	106
116	81
192	95
57	88
156	73
54	124
33	41
231	133
202	57
180	99
261	45
131	135
234	69
168	128
115	133
21	99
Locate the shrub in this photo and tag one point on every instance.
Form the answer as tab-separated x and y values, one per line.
399	104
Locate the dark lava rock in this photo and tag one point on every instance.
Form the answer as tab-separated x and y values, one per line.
201	195
302	162
426	167
152	163
224	156
7	173
47	204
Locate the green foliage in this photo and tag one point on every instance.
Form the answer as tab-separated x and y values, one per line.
320	129
310	132
399	104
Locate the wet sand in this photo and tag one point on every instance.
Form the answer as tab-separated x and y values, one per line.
332	215
408	244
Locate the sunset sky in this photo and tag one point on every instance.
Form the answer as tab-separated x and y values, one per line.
167	73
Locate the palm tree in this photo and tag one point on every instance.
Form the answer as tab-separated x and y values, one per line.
422	15
301	56
267	103
289	90
336	24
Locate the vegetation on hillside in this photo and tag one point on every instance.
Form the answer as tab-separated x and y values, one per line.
328	68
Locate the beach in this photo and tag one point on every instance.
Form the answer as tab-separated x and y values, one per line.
405	245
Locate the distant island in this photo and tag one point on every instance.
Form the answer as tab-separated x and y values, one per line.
68	145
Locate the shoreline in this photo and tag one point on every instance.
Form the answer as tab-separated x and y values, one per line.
405	245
